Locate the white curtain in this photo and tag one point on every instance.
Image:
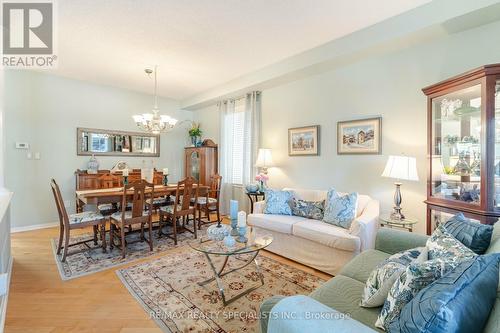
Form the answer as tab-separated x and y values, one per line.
235	178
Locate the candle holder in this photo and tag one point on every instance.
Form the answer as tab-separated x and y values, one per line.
165	180
241	235
125	180
234	227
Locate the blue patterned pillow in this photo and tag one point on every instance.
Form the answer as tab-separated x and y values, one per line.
278	202
340	210
308	209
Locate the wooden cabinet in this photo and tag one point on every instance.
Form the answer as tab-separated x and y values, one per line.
464	147
201	163
89	181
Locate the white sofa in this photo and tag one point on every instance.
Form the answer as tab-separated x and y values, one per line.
314	243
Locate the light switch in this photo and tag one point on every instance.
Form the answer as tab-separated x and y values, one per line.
22	145
37	156
3	284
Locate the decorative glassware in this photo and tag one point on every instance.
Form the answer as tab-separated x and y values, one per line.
125	180
217	232
165	179
229	241
234	227
241	235
92	165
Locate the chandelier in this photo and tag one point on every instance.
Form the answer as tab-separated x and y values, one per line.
154	122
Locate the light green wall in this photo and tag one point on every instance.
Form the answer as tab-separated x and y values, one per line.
388	86
44	111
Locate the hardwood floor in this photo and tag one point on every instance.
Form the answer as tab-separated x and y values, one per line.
40	302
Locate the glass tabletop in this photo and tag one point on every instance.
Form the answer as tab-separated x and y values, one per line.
386	218
254	243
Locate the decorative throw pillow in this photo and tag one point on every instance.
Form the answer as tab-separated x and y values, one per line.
277	202
444	253
475	236
340	210
442	244
460	301
308	209
386	273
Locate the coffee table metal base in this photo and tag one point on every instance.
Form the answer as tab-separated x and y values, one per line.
218	274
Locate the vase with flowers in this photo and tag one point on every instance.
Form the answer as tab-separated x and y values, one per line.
262	178
195	133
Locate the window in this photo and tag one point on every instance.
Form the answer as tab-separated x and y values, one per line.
236	122
100	143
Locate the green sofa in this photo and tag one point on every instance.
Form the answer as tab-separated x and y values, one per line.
343	292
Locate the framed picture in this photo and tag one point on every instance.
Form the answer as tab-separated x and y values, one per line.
359	136
303	141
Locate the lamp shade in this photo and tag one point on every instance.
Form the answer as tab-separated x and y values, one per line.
401	167
264	158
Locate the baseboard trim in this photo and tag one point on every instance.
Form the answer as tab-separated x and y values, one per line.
5	298
33	227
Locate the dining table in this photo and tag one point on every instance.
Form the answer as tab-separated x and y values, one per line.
115	194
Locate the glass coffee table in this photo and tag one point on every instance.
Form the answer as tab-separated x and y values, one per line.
211	248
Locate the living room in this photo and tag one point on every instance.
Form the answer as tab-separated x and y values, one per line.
146	161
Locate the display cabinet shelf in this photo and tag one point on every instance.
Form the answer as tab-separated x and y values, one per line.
464	147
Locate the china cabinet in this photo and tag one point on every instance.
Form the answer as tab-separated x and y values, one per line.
464	147
201	163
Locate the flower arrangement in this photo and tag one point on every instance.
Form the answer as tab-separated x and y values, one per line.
195	133
262	178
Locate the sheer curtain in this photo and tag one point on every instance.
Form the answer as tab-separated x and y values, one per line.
240	139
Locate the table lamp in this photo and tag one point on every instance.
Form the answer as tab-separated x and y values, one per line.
264	159
400	168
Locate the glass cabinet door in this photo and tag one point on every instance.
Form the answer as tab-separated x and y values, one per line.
195	165
456	146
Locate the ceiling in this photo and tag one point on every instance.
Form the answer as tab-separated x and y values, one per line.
199	44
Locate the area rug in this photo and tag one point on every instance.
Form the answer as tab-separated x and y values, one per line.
167	289
90	261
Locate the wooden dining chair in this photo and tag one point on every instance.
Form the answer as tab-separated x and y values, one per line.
136	194
186	195
76	221
210	202
109	180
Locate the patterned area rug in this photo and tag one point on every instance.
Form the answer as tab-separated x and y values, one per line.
168	291
90	261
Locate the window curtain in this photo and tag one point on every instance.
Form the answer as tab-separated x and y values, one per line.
251	141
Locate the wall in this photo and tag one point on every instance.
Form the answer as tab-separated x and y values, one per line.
44	111
388	86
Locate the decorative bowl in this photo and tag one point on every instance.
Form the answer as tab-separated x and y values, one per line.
252	188
217	232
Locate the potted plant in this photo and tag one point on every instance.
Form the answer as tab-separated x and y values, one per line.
195	133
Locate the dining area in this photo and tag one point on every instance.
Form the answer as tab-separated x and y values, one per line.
124	207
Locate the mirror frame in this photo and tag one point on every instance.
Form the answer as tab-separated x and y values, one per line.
80	130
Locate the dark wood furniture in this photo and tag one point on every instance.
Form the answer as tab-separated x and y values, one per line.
186	195
109	180
463	147
88	181
76	221
141	191
255	197
210	202
201	163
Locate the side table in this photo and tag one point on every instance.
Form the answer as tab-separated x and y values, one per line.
254	197
407	223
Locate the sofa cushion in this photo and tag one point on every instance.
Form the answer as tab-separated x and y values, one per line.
360	267
460	301
278	223
327	234
308	209
385	274
442	244
475	236
344	294
340	209
277	202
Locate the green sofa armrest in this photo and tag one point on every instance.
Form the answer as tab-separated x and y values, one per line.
392	241
265	310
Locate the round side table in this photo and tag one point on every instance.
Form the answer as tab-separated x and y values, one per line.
407	223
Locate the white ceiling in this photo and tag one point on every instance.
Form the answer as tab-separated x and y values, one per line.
199	44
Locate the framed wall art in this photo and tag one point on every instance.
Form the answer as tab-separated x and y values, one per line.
362	136
303	141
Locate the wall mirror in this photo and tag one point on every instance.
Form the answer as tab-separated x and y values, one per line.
116	143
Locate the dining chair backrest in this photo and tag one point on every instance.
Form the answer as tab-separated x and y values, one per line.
140	192
109	180
61	209
187	193
214	190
